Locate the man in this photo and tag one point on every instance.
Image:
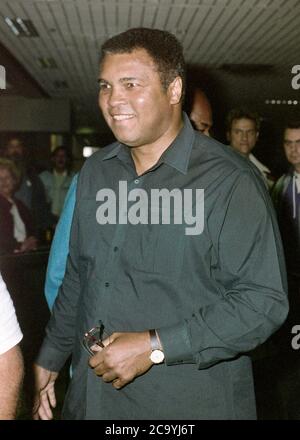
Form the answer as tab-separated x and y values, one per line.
242	131
180	303
201	113
200	116
31	190
286	196
11	363
58	181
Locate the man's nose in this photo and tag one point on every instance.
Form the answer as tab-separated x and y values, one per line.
116	96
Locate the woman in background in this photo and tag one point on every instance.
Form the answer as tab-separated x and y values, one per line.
16	225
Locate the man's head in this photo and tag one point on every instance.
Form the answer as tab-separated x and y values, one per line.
142	78
242	130
291	143
201	113
163	47
14	149
61	159
9	177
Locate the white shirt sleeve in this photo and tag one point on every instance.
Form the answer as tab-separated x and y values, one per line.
10	332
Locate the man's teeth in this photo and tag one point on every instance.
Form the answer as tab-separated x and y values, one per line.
122	117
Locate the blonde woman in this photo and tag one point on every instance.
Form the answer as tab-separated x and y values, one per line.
16	225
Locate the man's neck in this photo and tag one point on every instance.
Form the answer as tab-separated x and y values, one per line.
146	156
297	169
60	171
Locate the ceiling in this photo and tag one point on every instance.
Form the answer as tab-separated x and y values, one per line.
223	35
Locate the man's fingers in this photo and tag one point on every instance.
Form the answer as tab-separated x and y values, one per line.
52	397
109	376
45	415
118	383
45	408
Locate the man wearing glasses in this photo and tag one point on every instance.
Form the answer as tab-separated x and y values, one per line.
162	296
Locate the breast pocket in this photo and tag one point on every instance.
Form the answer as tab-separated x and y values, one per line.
156	248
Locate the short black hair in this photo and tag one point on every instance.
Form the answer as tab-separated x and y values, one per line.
242	113
163	47
294	124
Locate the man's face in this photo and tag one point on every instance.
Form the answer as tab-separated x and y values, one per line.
14	150
60	160
291	144
134	104
201	114
243	135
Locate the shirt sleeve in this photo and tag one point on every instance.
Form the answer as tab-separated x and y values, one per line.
60	247
249	272
10	332
59	340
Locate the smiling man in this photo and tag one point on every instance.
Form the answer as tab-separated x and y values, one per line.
180	310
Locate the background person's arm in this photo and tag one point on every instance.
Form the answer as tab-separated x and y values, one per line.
11	377
60	247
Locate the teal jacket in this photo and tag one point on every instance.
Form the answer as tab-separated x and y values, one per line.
60	247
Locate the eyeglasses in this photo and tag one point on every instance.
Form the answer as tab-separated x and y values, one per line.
92	340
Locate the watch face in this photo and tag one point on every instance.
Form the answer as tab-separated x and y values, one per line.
157	356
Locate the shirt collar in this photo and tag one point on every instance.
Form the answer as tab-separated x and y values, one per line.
176	155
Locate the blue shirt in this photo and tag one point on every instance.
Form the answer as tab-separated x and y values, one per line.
60	247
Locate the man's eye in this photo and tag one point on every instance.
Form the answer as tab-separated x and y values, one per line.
103	86
131	85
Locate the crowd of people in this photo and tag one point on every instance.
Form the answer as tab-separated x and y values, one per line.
181	311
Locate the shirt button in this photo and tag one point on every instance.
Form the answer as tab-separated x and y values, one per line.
106	284
116	249
136	181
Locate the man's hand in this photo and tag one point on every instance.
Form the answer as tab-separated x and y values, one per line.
29	244
44	393
125	356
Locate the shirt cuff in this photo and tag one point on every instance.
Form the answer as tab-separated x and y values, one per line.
50	358
176	344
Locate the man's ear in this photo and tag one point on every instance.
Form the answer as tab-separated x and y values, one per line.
175	90
228	137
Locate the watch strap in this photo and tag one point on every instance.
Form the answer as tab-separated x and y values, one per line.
155	345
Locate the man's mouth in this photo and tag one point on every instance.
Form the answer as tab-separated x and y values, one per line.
122	117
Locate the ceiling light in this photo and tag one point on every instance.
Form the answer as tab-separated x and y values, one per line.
21	27
12	26
88	151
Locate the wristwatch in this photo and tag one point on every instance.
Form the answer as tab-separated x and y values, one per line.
157	355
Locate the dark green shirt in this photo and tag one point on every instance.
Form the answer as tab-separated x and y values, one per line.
212	296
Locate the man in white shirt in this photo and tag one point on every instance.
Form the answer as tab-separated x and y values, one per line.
11	361
58	180
242	131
